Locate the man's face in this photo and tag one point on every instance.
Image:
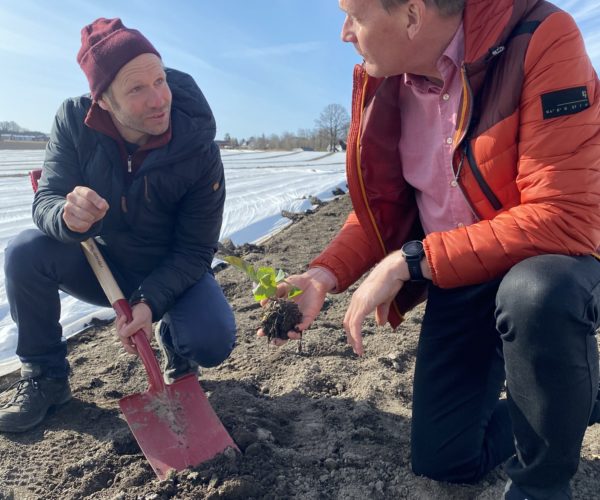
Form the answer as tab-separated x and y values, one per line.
139	99
382	38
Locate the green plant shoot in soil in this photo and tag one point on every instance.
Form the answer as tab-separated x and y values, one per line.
280	314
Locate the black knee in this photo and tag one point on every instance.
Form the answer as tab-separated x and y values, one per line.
21	252
538	295
212	347
446	469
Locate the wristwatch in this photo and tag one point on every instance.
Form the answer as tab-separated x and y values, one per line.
413	252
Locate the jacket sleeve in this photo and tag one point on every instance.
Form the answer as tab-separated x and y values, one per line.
557	172
61	173
349	255
196	234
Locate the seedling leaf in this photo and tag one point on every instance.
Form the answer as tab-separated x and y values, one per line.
263	292
266	275
280	276
242	265
265	279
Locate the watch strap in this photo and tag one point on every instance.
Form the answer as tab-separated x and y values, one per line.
414	269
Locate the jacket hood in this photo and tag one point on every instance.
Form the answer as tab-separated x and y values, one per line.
192	121
190	112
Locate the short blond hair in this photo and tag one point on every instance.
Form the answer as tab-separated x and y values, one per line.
446	7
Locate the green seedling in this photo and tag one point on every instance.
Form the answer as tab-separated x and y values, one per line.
281	314
265	279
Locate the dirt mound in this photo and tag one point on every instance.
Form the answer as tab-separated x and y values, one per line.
317	424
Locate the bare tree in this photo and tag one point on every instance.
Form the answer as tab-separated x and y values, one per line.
330	131
333	124
11	127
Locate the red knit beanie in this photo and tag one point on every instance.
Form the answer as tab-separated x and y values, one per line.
106	46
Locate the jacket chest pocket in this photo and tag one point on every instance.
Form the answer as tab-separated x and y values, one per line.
153	200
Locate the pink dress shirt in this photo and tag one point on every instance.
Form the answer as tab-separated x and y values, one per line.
428	123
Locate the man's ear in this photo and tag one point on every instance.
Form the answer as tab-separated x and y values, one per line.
415	15
104	103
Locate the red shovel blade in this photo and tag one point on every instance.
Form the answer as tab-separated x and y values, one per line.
176	428
174	424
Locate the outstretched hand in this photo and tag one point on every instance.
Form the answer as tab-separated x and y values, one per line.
375	293
315	284
141	320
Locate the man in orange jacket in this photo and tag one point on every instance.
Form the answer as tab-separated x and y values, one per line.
474	171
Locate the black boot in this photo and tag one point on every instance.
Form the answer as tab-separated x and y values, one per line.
174	365
35	395
513	492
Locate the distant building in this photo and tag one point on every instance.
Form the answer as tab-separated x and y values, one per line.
222	144
16	136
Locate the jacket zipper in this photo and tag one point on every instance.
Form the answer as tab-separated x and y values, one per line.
484	186
363	103
124	196
466	112
146	191
465	119
460	188
359	163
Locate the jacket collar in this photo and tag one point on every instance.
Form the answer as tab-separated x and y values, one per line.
100	120
488	23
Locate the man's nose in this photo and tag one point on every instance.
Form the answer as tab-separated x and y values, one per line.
156	98
346	34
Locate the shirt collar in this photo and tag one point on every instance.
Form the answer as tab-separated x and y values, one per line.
451	58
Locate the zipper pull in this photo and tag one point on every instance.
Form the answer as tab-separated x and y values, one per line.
494	52
498	50
129	161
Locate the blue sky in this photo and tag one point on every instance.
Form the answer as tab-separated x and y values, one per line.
265	66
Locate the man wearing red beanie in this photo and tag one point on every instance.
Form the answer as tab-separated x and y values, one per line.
135	166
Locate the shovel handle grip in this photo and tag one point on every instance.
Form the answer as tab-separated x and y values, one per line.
121	307
155	379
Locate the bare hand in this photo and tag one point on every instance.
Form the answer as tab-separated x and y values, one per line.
375	294
314	283
142	320
84	207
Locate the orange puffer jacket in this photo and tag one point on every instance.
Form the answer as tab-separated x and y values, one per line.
526	155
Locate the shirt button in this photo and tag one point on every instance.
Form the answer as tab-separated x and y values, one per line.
449	140
446	97
460	224
454	184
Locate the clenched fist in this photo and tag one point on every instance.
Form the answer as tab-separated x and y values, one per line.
83	209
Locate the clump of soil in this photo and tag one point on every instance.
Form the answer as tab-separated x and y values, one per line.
280	316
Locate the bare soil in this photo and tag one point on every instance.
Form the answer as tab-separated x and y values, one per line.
318	424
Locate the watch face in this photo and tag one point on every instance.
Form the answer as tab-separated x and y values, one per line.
411	248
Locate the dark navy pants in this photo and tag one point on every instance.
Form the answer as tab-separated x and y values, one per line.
201	323
534	328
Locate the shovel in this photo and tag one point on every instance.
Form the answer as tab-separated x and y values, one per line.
174	424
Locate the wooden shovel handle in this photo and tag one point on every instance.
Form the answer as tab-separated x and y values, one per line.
116	298
121	307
